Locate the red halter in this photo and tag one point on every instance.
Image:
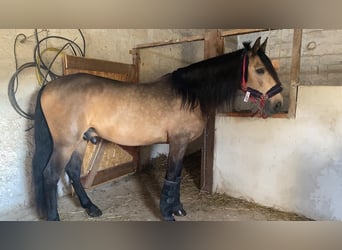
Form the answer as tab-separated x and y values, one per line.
256	96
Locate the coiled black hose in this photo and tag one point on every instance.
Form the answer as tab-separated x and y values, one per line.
39	64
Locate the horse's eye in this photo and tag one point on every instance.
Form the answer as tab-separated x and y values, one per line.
260	71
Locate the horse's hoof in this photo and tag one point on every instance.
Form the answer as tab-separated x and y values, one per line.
169	218
180	212
54	218
94	211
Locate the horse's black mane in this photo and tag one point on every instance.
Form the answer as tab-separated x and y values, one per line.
214	81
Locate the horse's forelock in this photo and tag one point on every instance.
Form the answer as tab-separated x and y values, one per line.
268	64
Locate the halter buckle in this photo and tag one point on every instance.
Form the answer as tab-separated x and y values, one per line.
246	98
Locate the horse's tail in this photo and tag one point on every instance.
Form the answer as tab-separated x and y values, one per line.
42	153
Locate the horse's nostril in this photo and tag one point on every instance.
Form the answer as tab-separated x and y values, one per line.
277	107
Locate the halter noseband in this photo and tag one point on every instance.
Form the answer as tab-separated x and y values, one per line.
256	95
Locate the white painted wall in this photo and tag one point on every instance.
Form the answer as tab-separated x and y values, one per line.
291	164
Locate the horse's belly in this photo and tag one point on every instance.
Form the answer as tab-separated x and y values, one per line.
134	136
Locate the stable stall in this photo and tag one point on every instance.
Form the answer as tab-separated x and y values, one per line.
290	161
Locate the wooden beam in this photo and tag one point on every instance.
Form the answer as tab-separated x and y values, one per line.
136	65
250	114
235	32
170	42
97	65
213	46
94	164
96	176
232	32
295	70
109	174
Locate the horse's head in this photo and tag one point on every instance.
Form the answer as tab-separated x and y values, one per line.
260	80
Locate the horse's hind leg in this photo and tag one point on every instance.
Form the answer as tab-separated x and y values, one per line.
170	197
51	175
73	170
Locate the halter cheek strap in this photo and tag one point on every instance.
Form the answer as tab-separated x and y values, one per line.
243	81
254	94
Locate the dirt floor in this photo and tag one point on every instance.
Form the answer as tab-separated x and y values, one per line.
136	198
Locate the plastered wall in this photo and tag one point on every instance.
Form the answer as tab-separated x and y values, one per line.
291	164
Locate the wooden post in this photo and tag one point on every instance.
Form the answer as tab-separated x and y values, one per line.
94	164
136	64
136	78
213	46
295	70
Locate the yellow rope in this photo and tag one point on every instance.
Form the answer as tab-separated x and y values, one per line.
38	76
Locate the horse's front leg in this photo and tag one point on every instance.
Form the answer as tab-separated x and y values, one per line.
170	203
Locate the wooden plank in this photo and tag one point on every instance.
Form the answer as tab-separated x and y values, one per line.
235	32
170	42
249	114
94	164
134	152
136	65
213	46
92	178
113	70
109	174
295	70
81	63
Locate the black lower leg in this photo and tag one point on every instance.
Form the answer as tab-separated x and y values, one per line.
170	203
51	206
178	209
170	200
73	170
50	191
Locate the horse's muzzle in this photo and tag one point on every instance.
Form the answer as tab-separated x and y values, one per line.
272	107
277	107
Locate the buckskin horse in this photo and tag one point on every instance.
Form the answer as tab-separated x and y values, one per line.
169	110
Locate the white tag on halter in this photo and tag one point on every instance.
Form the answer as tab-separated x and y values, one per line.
247	96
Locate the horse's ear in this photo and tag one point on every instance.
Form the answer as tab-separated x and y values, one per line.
263	45
256	46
